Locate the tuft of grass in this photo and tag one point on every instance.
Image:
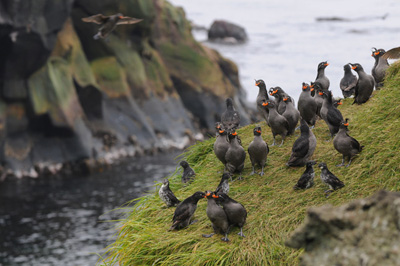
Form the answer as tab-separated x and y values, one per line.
274	208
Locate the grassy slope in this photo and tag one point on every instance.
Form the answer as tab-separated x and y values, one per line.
274	209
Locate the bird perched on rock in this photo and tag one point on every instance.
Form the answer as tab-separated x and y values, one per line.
348	82
304	147
109	23
262	97
321	78
185	210
235	211
223	185
258	151
291	114
307	105
307	178
393	53
235	156
217	216
221	144
345	144
278	123
379	69
329	113
188	173
365	85
329	179
166	194
230	118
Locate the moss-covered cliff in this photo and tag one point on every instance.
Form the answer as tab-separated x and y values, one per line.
66	97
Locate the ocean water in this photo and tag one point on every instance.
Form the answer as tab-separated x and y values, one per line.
286	42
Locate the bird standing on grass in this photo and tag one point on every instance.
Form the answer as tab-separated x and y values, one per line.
235	156
278	123
345	144
185	210
109	23
348	82
329	113
221	144
217	216
223	185
304	146
262	97
188	173
166	194
307	178
379	69
235	211
230	118
307	105
329	179
258	151
365	85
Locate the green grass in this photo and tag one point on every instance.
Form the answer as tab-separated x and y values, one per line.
274	208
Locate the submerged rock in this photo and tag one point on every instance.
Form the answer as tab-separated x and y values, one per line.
363	232
225	31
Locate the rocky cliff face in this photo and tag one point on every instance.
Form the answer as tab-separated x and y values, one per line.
363	232
66	97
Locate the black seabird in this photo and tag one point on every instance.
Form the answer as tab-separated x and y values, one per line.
235	211
167	195
365	85
188	173
217	216
329	179
307	178
348	82
109	23
223	185
235	156
230	118
345	144
258	150
185	210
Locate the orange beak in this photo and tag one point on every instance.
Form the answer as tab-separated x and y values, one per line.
376	53
327	64
339	103
304	87
234	133
284	99
215	196
257	83
258	131
221	131
347	124
312	85
265	104
320	93
275	91
312	89
353	67
208	194
121	17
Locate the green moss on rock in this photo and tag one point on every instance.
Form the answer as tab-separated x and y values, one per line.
110	76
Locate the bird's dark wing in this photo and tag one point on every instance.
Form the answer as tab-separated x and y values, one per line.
354	143
128	20
393	53
171	195
300	147
349	85
302	182
182	214
98	19
335	117
334	181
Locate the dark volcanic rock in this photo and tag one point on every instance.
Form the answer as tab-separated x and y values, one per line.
65	97
363	232
222	30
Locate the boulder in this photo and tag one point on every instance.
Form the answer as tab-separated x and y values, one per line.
226	31
363	232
